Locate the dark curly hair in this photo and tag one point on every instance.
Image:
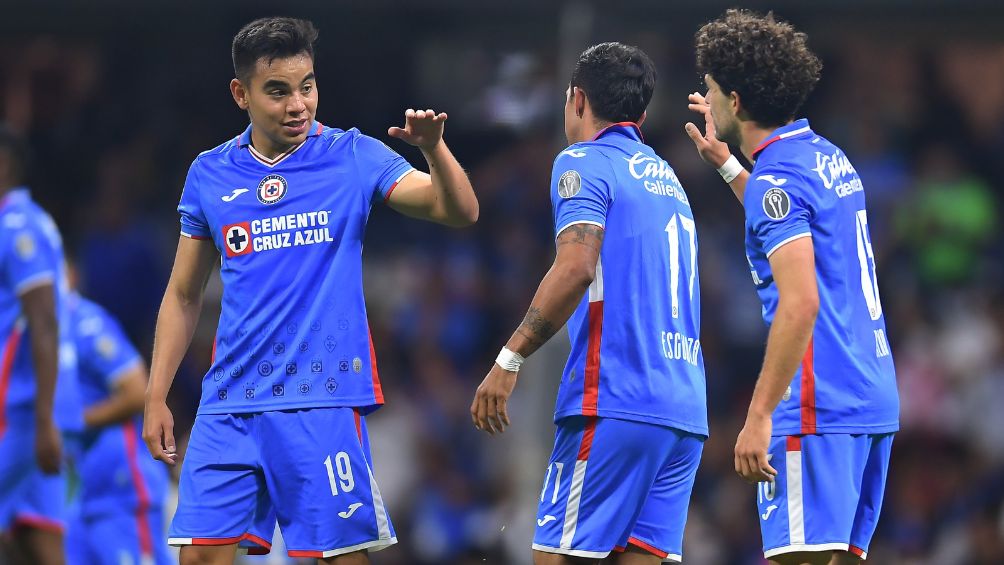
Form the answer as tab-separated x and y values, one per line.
271	39
767	62
618	79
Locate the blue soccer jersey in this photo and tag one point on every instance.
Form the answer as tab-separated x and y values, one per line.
116	475
635	337
31	254
804	186
293	331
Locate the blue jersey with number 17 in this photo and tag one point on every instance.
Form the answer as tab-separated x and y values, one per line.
293	332
804	186
636	353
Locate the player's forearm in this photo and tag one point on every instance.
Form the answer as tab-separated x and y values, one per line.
557	296
44	331
738	185
125	402
455	203
175	328
786	345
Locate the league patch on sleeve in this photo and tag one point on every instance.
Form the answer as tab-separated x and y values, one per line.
776	203
569	184
25	246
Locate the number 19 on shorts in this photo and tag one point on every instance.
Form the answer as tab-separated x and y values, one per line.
343	468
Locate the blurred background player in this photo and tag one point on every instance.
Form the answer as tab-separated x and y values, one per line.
120	514
631	411
38	383
281	420
819	430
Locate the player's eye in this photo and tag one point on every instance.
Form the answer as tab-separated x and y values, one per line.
307	88
277	93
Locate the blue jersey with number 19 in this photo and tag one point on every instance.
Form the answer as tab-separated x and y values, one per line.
636	352
293	331
804	186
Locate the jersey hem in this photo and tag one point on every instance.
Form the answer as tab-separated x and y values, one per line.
633	417
252	409
842	429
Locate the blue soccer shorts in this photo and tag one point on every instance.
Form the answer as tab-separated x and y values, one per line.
118	537
827	494
29	497
312	468
612	483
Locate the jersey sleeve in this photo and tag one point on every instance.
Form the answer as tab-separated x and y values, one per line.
778	209
580	190
380	166
193	219
103	349
29	259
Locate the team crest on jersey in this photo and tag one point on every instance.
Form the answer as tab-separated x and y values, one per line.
237	239
569	184
271	189
776	203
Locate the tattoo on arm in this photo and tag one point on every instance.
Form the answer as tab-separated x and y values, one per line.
582	234
536	328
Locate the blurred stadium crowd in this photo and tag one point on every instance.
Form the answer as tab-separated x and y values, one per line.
115	114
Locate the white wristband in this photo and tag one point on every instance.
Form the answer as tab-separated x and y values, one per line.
731	169
509	360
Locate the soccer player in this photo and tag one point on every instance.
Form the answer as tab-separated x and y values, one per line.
281	422
820	424
37	353
631	411
120	515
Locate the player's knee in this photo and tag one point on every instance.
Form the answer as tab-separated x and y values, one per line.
802	558
207	554
844	558
545	558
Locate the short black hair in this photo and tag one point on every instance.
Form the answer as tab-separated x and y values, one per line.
271	39
766	61
14	146
618	80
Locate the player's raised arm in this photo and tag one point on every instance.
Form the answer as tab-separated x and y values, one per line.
444	194
714	151
557	296
179	313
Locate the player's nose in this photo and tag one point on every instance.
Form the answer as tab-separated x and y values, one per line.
296	104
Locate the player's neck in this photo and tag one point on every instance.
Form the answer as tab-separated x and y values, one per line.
752	135
266	147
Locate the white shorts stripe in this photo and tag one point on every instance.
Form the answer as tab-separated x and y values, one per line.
800	547
572	552
572	507
383	522
796	514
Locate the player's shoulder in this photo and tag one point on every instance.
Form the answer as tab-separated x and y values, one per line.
582	155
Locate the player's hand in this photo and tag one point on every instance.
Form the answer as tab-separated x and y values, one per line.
711	150
752	444
422	128
488	411
158	431
48	446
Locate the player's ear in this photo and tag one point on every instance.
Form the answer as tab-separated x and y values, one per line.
579	101
239	93
735	103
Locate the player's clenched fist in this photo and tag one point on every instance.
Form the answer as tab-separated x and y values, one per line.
158	432
422	128
488	411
